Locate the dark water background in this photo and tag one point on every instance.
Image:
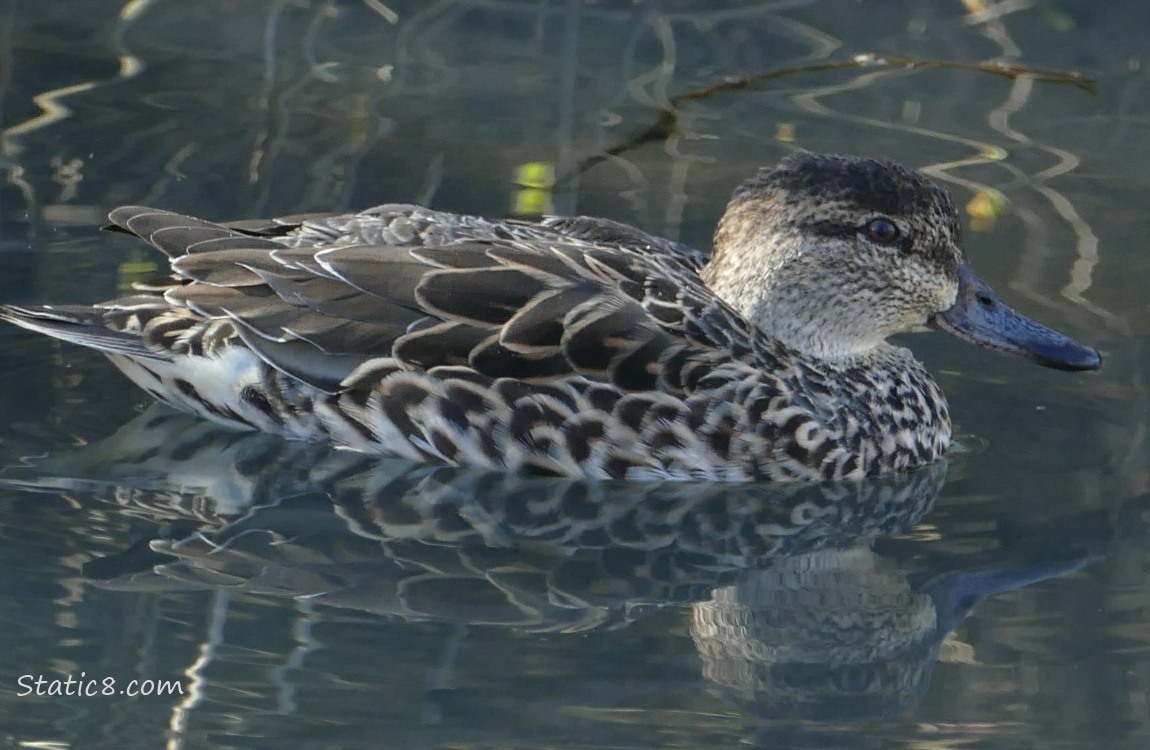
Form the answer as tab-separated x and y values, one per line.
361	605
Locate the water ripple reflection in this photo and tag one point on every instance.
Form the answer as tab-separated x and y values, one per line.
823	603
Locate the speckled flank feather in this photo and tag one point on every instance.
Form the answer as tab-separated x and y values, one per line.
571	346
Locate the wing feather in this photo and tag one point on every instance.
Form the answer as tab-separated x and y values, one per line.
537	302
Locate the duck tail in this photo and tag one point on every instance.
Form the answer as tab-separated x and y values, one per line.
78	324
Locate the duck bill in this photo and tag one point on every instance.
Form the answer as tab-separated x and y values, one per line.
980	317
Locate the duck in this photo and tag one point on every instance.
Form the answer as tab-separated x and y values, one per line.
575	346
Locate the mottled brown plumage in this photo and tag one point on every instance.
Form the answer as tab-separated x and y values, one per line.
574	346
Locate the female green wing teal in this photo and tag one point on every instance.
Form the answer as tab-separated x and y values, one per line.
577	347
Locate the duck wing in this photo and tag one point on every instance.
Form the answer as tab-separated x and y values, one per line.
536	307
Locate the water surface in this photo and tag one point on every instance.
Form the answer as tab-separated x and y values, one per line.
308	599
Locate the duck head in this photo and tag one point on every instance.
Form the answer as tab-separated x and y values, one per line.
833	254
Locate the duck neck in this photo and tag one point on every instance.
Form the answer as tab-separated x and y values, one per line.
787	290
784	304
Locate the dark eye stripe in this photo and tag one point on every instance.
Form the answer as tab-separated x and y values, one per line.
829	229
838	230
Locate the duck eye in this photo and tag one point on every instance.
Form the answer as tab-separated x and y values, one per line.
882	231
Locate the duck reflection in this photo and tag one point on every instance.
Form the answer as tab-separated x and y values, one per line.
793	613
844	633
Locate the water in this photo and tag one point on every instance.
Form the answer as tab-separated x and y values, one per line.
306	599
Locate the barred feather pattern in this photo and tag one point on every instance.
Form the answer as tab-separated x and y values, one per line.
243	510
569	346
